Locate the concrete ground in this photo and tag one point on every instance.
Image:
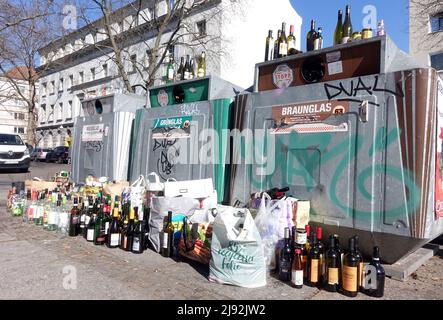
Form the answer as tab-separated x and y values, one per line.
38	264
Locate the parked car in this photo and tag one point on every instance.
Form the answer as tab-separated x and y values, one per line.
13	153
59	155
39	154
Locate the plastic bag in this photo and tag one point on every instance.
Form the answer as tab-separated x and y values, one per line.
237	250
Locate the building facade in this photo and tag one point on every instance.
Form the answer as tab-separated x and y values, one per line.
426	32
14	94
80	71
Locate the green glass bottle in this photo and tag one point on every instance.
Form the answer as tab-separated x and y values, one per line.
338	33
347	26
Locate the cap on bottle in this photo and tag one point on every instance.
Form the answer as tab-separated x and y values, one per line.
308	230
297	251
319	233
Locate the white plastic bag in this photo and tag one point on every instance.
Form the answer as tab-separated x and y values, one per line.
267	225
237	251
137	192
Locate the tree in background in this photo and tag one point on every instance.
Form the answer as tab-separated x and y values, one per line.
25	27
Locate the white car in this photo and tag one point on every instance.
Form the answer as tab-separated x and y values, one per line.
13	153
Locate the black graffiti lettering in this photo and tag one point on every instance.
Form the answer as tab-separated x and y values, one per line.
333	91
97	146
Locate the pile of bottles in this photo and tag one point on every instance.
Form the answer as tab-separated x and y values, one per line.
344	33
305	260
283	46
186	70
100	220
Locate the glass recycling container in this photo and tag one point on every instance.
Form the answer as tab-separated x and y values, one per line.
184	135
102	137
356	129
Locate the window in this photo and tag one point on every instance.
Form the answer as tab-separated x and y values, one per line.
19	130
92	74
437	61
52	88
105	70
437	22
133	59
81	77
58	115
60	85
135	20
69	110
120	27
19	116
42	113
201	28
71	80
44	89
94	37
51	114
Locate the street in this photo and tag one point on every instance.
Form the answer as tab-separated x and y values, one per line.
38	264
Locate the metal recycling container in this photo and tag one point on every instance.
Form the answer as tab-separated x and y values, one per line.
102	137
357	130
186	139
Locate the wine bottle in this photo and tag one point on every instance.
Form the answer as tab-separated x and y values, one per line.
283	43
138	242
341	256
170	72
269	51
292	42
347	26
192	66
201	73
113	240
312	34
181	70
332	267
297	270
123	235
276	45
322	261
294	240
318	42
167	249
374	281
90	231
74	221
360	263
187	69
350	271
313	263
89	213
284	273
99	229
338	33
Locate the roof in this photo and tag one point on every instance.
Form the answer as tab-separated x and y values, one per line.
21	73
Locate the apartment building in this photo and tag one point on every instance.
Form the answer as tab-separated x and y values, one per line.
13	107
426	32
79	70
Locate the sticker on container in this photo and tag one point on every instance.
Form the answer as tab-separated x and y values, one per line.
93	133
163	98
283	76
333	56
335	68
172	128
309	112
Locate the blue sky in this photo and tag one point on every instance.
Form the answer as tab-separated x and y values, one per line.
394	12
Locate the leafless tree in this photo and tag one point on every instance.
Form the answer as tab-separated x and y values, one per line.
26	26
169	22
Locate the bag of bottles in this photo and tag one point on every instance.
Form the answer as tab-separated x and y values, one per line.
160	206
267	225
195	242
237	251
